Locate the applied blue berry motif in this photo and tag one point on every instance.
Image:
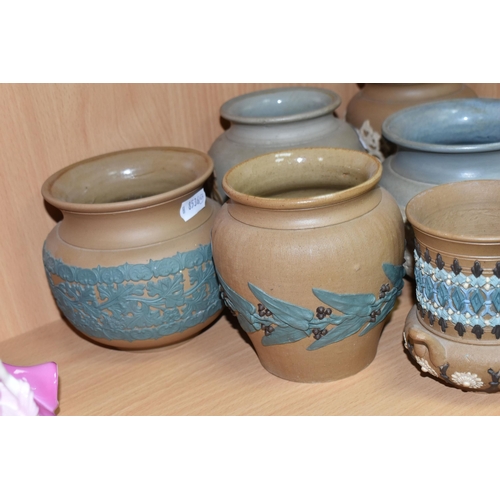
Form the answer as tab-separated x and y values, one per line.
283	322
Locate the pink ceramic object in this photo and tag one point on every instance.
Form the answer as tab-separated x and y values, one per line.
28	390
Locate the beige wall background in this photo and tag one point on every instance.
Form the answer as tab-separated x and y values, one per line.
45	127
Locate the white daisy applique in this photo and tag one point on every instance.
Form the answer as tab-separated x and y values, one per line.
425	366
469	380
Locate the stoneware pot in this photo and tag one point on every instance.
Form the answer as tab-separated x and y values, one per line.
438	143
454	331
130	265
368	109
308	252
275	119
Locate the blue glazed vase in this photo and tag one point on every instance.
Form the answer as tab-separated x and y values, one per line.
441	142
438	143
130	265
375	102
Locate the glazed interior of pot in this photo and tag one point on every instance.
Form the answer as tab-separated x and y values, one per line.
280	104
461	124
128	175
308	176
467	211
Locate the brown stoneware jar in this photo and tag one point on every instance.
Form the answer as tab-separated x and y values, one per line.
368	109
454	330
130	265
309	255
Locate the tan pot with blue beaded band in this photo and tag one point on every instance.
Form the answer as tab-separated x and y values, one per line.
454	330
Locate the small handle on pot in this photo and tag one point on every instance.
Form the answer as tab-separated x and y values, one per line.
437	352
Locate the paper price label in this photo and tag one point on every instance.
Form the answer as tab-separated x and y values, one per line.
192	206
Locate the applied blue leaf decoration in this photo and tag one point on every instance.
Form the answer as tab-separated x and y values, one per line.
137	301
283	322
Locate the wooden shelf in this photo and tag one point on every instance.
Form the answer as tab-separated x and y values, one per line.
47	127
218	373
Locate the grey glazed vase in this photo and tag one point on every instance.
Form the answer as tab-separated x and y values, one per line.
276	119
439	143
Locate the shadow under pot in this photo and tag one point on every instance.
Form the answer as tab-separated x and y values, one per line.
439	143
454	330
276	119
130	265
309	252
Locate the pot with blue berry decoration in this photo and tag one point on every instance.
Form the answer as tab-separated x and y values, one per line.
453	332
309	253
130	264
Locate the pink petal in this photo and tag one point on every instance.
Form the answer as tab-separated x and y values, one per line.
43	380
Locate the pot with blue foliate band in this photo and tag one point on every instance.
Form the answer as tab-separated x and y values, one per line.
130	265
309	253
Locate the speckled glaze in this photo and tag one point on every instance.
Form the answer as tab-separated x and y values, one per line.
125	267
454	331
309	254
441	142
368	109
275	119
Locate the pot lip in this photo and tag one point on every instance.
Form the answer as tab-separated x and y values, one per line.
392	134
443	235
308	202
227	113
123	206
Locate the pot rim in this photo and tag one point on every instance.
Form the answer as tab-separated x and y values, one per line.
122	206
305	202
431	192
392	134
227	109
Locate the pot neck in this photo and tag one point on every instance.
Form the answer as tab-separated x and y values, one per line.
442	168
130	228
309	218
283	134
466	252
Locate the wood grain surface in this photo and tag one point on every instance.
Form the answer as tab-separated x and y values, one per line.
218	373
